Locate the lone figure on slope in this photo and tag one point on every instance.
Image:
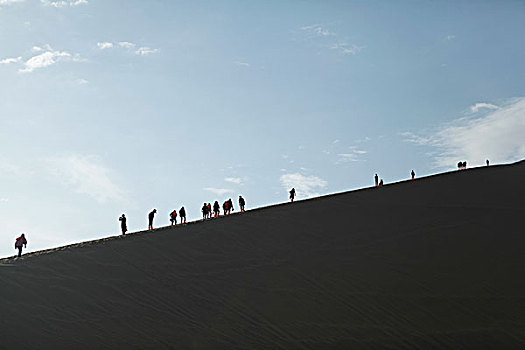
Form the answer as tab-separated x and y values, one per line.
150	219
242	203
182	214
413	174
123	225
376	179
487	161
20	241
292	194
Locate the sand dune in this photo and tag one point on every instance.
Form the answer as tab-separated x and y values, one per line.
435	263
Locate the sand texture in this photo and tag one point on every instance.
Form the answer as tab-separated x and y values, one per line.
434	263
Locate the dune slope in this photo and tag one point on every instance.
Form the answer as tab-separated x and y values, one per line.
435	263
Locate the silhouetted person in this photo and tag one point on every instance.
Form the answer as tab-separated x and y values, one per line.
292	194
20	242
151	215
173	217
216	208
225	208
209	210
123	225
376	179
460	165
182	214
230	205
413	174
465	165
242	203
381	183
487	161
204	210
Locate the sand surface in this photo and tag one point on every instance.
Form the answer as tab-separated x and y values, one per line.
435	263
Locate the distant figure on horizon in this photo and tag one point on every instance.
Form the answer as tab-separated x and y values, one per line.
173	217
19	243
376	180
182	214
462	165
242	203
204	210
209	210
381	183
292	194
487	161
230	205
216	208
151	215
123	225
413	174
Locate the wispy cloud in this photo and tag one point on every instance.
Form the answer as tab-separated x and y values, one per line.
346	49
217	191
82	81
63	3
48	58
305	186
497	136
234	180
86	175
317	30
104	45
451	37
11	60
144	51
243	64
126	44
4	200
7	2
475	108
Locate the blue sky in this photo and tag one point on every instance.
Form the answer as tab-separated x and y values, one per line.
111	107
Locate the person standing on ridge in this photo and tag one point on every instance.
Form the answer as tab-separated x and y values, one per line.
20	242
376	179
123	225
151	215
204	210
226	208
487	161
173	217
209	210
216	208
413	174
292	194
182	214
242	203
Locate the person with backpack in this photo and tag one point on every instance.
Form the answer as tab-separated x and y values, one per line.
150	219
19	243
242	203
173	217
292	194
204	210
123	224
182	214
216	208
225	208
209	210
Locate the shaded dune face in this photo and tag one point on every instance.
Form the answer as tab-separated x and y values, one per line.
436	262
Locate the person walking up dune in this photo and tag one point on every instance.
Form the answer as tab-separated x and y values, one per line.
230	205
216	208
413	174
173	217
19	243
204	210
182	214
209	210
242	203
151	215
292	194
123	224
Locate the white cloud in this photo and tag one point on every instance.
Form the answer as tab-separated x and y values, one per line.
126	44
497	136
346	49
234	180
346	157
360	151
45	59
305	186
7	2
218	191
86	175
104	45
81	81
478	106
317	30
244	64
63	3
335	141
143	51
451	37
11	60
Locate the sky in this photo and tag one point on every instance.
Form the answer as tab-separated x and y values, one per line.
111	107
